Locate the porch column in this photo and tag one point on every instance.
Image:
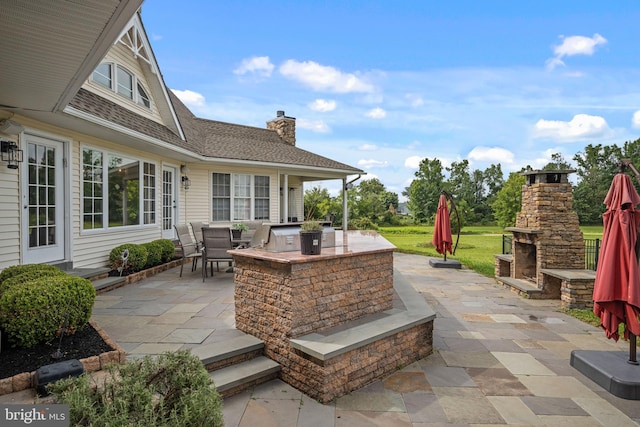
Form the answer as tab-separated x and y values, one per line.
285	193
345	212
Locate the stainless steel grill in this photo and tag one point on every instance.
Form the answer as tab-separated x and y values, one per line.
286	237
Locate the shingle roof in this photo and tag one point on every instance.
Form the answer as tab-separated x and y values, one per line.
209	138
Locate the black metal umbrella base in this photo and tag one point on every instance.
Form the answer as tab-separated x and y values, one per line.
444	263
610	370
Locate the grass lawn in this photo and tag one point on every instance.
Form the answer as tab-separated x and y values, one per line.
476	247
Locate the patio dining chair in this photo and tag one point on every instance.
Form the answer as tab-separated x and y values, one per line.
189	247
216	242
196	227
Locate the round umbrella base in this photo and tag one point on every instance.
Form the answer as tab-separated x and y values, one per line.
441	263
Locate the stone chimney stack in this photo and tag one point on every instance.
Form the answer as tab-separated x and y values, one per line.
284	126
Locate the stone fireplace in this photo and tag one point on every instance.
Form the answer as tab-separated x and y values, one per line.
546	239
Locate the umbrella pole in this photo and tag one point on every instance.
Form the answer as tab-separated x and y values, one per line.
632	349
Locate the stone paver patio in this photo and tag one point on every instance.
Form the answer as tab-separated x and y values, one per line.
498	359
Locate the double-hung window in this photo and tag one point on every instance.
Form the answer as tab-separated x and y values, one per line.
117	190
238	197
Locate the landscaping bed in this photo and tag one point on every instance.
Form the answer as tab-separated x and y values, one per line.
92	346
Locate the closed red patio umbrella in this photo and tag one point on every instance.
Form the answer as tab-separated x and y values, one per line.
616	293
442	229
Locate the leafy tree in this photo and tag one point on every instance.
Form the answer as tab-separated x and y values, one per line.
492	182
424	192
509	200
596	167
316	203
460	184
371	200
558	162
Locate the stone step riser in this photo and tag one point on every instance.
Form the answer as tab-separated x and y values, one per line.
237	364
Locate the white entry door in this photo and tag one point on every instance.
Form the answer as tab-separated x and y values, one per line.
43	195
169	201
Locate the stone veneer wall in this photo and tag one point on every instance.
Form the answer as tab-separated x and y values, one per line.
547	207
328	380
278	301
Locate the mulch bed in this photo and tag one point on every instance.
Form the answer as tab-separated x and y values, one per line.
84	343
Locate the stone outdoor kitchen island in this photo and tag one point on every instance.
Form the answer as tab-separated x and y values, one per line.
336	321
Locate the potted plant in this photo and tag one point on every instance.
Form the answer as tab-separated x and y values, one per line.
311	237
237	229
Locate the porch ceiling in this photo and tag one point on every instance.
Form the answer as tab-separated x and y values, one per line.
49	48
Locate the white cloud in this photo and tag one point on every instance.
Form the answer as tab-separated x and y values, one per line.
491	154
413	162
371	163
189	97
323	105
574	45
377	113
415	100
156	37
313	125
368	147
582	126
635	121
578	45
259	65
321	77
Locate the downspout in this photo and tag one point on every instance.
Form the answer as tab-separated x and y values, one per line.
345	213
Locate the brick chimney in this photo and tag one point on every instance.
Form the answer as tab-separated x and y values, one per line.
284	126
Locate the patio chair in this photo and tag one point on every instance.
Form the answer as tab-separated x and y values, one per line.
189	247
197	232
216	242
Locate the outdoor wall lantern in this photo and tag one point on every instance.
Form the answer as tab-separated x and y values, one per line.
10	153
186	182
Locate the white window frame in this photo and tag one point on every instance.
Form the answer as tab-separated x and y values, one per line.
147	193
237	189
142	99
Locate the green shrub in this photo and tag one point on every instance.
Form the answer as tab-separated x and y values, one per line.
168	249
136	261
154	253
28	276
36	311
362	224
172	389
15	270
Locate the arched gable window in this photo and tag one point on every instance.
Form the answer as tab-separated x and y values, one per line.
122	82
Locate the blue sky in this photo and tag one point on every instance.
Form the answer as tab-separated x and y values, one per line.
380	85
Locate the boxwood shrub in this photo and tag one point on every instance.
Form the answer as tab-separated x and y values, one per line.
172	389
137	258
29	275
37	310
15	270
168	249
154	253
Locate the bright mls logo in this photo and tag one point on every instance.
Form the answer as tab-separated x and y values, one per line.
34	415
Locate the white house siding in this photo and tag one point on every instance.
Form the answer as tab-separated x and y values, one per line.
92	247
9	219
195	204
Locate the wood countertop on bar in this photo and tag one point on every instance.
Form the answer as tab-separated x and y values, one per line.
351	243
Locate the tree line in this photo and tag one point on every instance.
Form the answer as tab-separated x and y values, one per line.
480	196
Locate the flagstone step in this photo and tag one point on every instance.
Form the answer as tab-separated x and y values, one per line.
108	283
238	377
221	354
237	364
